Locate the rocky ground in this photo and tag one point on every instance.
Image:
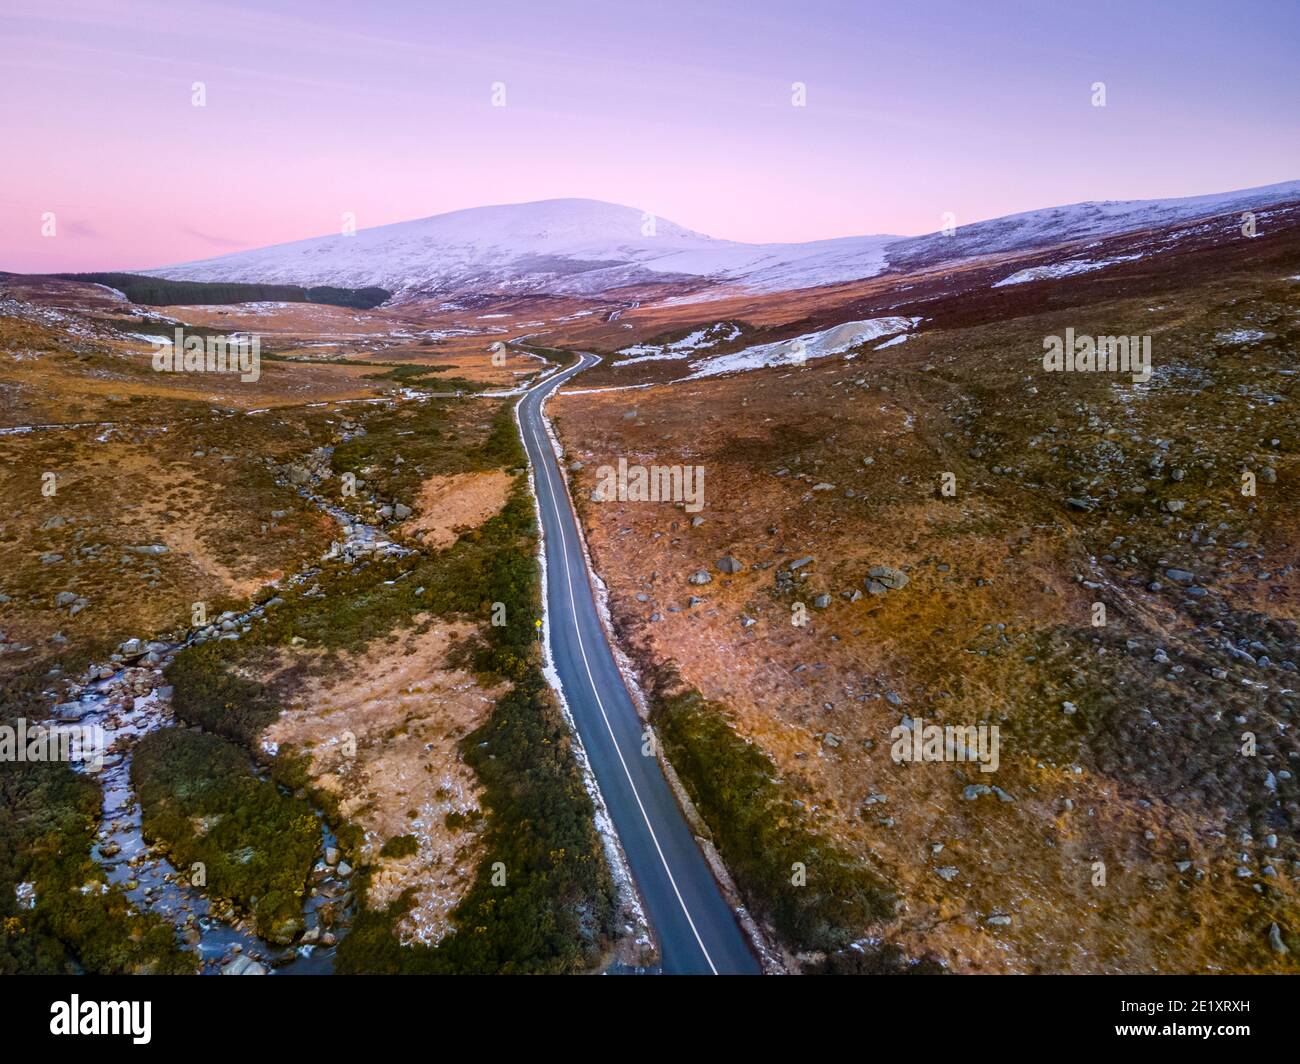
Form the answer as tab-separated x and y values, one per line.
1154	754
204	537
915	534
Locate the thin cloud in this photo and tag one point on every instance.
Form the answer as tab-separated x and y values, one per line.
78	229
215	241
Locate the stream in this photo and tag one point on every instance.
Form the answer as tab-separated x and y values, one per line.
128	700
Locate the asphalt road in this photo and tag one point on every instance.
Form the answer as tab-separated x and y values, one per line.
696	930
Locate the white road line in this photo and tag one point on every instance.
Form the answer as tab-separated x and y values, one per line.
568	576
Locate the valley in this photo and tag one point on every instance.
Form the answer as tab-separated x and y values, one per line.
306	606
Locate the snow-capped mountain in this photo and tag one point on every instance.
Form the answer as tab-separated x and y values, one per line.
572	246
582	246
1080	221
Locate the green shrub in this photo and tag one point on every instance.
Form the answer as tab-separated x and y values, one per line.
205	693
554	912
200	799
760	833
48	816
400	846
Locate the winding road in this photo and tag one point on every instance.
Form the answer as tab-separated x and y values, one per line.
696	930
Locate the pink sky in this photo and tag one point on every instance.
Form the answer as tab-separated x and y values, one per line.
683	109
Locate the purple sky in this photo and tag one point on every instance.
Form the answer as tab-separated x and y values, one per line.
384	109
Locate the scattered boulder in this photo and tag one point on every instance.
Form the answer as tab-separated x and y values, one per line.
890	577
728	564
67	711
883	578
242	965
698	577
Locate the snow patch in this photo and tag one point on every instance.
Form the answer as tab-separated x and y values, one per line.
1061	269
797	350
718	333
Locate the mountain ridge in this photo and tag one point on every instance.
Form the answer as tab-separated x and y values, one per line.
577	246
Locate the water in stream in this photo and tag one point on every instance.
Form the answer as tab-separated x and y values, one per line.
128	700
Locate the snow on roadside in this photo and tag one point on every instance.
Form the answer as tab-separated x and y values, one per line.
769	956
629	898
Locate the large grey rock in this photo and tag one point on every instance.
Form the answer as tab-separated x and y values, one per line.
728	564
71	710
242	965
699	577
891	578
